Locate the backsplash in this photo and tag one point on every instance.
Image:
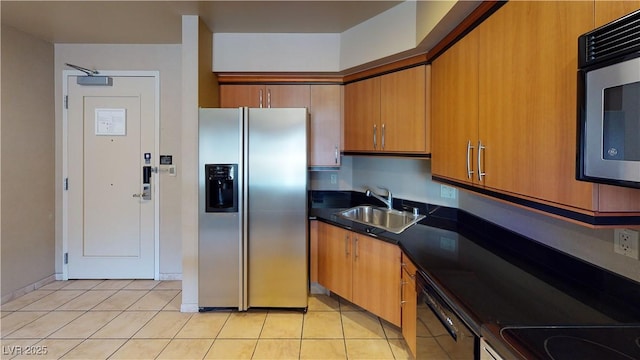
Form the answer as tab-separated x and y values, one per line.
406	178
592	245
411	179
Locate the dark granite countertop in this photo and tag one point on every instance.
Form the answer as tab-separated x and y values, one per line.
494	277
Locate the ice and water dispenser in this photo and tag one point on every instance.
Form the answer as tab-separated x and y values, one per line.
221	187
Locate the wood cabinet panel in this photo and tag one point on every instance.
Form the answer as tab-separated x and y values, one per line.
362	114
454	110
326	125
607	11
233	96
285	96
376	277
334	259
361	269
402	111
520	102
325	108
387	113
313	251
409	304
527	99
264	96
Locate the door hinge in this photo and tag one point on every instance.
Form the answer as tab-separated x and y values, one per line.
66	101
66	183
66	258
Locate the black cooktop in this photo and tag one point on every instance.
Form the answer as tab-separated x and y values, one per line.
571	342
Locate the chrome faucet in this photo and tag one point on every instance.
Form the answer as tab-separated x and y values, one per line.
388	201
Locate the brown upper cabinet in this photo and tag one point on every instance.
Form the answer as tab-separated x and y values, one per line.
326	125
264	96
454	111
387	113
607	11
324	102
504	109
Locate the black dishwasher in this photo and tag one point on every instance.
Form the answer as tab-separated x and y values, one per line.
439	326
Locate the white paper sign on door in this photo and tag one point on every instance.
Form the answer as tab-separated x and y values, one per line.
111	122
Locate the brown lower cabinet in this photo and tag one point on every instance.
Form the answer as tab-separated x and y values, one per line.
361	269
409	304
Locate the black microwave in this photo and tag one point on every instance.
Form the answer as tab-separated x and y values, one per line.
609	103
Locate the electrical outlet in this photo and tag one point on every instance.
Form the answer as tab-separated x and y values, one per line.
334	178
447	192
625	242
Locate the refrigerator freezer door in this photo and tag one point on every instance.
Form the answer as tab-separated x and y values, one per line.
277	199
219	239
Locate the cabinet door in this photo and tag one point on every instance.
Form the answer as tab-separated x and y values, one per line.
454	110
233	96
376	277
527	106
264	96
362	115
402	111
326	125
409	304
334	259
607	11
287	96
313	251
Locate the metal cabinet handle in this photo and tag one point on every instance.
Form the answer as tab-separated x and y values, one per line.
260	98
356	249
375	137
269	98
402	285
346	245
480	172
404	268
336	154
383	132
469	171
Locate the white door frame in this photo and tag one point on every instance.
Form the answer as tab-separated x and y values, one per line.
154	163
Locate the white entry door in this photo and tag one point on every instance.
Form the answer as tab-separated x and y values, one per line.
111	210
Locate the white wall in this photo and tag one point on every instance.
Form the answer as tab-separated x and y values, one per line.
396	32
189	189
388	33
28	165
163	58
276	52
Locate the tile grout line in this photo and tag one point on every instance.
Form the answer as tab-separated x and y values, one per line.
344	336
342	309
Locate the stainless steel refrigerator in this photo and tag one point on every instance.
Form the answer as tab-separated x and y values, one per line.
253	208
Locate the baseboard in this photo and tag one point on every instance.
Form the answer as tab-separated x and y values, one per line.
189	308
29	288
171	276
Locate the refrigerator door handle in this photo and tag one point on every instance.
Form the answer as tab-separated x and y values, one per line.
244	211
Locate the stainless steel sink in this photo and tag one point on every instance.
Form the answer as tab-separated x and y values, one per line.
395	221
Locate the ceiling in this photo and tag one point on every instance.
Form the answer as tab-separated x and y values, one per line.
159	22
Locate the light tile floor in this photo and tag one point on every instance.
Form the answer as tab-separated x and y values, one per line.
140	319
